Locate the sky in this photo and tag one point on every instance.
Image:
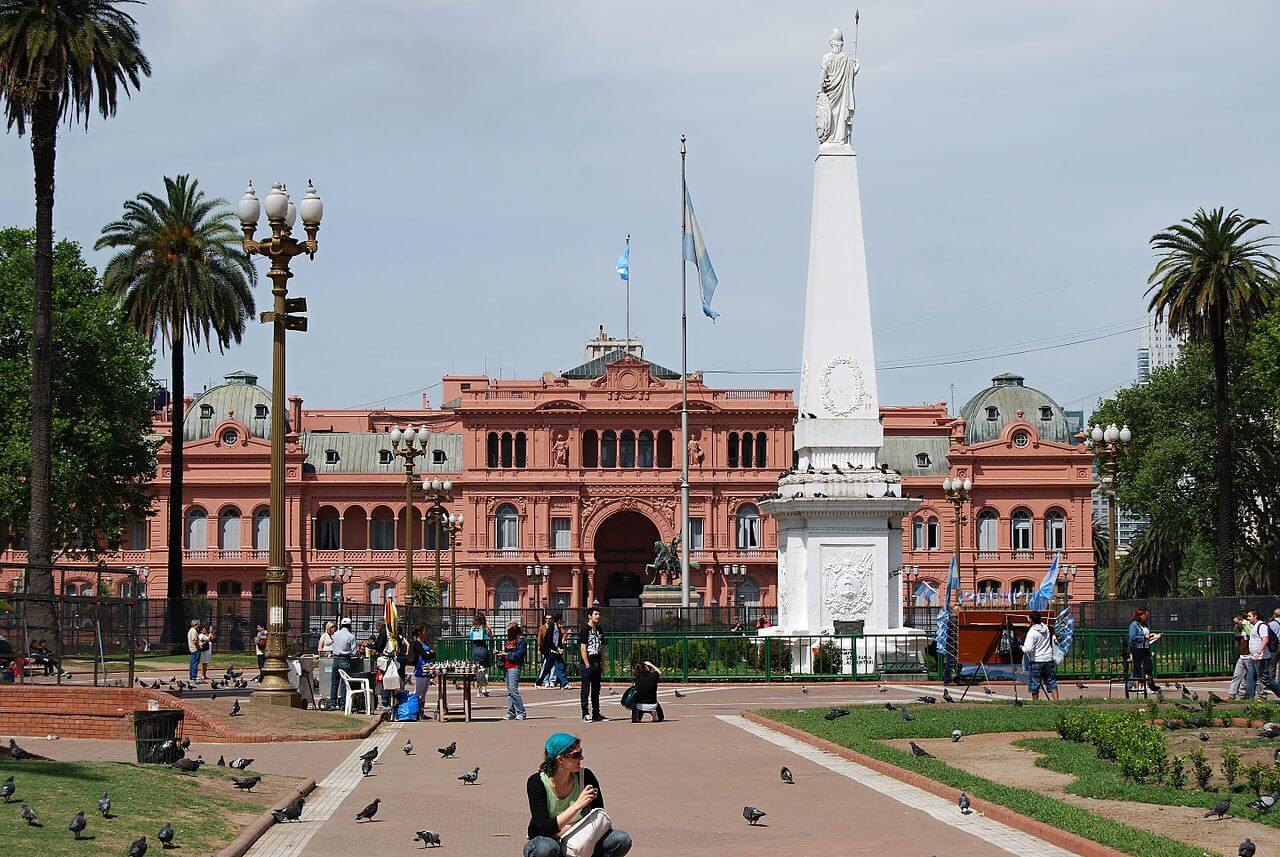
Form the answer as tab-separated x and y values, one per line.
482	163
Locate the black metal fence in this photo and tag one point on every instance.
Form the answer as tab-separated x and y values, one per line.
1167	614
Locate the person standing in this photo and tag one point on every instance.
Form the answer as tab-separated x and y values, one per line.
557	660
560	793
646	699
206	651
1262	645
1273	625
591	650
1140	640
260	649
480	654
325	646
422	655
545	644
514	653
344	648
1038	647
193	646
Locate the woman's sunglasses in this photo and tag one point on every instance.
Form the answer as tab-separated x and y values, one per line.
574	754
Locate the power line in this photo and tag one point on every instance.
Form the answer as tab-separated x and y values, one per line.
393	398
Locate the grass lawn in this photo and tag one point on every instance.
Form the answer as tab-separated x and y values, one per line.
204	808
867	728
275	719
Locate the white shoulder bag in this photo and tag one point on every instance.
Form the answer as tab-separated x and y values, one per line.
581	839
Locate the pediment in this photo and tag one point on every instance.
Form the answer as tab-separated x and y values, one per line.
559	405
628	376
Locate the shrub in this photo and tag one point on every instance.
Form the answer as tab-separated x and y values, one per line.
644	650
1230	765
1141	752
1176	776
1200	767
1257	710
827	661
1254	775
699	656
732	651
778	655
1270	779
1073	723
668	623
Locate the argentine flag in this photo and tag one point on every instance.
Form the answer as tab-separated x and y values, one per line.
953	581
624	262
1042	597
695	251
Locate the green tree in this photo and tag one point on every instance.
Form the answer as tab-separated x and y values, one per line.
180	276
1215	279
59	59
425	593
104	453
1150	569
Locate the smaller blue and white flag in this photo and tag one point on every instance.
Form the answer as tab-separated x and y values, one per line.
1064	628
953	582
695	251
941	635
624	262
926	591
1042	597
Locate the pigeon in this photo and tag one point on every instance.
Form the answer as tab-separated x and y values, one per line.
235	708
956	735
29	815
906	715
186	744
963	803
988	691
408	747
366	767
919	752
1247	848
427	838
369	811
1186	694
165	835
889	706
804	689
1264	803
15	752
752	815
946	696
240	764
1081	685
447	752
188	766
1276	755
247	783
138	848
1270	730
7	790
1204	736
280	816
294	810
787	777
680	695
78	824
1220	808
881	689
104	805
1018	703
371	755
470	776
1215	699
927	699
835	714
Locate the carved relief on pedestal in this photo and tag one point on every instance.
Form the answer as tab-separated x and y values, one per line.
843	388
784	584
846	582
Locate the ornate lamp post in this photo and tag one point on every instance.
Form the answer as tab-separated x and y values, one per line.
409	445
279	247
910	574
452	527
437	492
1205	584
340	575
958	491
1109	443
537	573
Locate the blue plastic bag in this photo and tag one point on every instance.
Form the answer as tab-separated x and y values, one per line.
410	708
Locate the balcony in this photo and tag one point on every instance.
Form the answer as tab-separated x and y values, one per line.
198	554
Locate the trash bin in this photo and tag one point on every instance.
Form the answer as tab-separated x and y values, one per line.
156	735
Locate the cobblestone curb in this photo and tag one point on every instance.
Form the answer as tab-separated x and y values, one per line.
262	824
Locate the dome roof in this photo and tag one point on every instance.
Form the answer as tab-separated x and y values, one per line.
239	398
988	412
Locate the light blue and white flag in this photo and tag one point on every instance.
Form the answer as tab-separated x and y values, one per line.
953	582
624	262
1064	628
695	251
1042	597
926	591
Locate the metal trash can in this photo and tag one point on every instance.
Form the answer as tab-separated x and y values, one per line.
156	735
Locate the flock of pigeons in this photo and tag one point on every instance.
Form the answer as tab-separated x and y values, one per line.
428	838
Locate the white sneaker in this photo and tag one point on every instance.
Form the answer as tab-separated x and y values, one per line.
587	719
520	717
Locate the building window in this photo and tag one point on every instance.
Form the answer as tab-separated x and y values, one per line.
506	528
328	529
262	529
748	527
260	412
1021	439
746	593
331	456
229	529
437	536
1020	591
922	459
560	534
733	449
645	459
988	591
1046	413
609	449
321	592
762	460
138	536
438	456
206	412
748	449
522	449
696	541
988	530
933	533
506	595
1055	530
382	530
197	529
230	437
664	449
917	533
229	589
993	413
590	449
507	449
384	457
627	449
491	450
375	593
195	587
1022	530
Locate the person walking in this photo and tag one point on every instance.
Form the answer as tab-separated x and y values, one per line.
545	641
1262	646
1140	640
480	654
1038	648
1240	628
514	653
557	660
560	793
646	698
193	646
1273	624
344	648
591	650
422	655
260	649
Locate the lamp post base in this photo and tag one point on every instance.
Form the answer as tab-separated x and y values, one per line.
285	698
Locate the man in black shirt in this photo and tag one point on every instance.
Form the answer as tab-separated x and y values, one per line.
592	651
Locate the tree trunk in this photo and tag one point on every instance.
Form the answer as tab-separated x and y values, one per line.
175	619
1226	492
44	140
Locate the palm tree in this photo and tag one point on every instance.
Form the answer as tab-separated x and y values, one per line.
1150	569
1101	551
58	60
181	276
1215	278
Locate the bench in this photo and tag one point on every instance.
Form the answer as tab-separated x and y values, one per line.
906	666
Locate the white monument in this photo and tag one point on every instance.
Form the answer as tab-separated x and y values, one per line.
839	512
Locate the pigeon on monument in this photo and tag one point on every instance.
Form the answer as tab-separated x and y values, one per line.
138	848
369	811
408	747
78	824
447	752
963	803
1264	803
247	783
29	816
1220	808
752	815
787	777
235	708
366	767
427	838
7	790
470	776
104	805
919	752
165	835
15	752
1247	848
240	764
956	735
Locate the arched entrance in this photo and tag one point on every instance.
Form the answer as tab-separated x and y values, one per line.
623	547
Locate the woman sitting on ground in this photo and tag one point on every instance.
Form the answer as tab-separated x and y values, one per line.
559	795
646	699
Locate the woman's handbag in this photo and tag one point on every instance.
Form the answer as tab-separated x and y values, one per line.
581	839
391	676
629	697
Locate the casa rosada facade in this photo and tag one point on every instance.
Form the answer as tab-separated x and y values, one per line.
578	472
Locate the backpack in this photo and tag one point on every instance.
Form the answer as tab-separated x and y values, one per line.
1273	638
629	697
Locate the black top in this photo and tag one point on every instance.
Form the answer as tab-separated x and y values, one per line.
541	822
593	639
548	644
647	688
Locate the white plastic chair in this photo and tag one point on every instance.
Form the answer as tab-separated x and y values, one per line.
357	685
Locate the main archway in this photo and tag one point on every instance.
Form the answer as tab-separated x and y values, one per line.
623	547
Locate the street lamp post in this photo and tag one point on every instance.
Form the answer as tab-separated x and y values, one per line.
409	445
453	527
280	247
957	492
1205	584
910	574
341	576
537	573
437	492
1109	442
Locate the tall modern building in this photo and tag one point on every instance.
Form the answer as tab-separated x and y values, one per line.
1157	347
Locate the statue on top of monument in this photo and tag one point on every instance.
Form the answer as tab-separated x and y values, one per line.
834	118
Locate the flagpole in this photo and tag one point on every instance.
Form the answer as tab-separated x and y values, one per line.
684	394
627	348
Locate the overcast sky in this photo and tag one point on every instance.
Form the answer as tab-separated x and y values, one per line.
481	164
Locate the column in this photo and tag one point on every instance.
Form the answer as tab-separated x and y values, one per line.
591	586
575	595
708	579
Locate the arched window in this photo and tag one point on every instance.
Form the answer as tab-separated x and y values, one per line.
762	442
507	449
590	448
229	529
229	589
389	592
322	592
988	530
645	459
195	587
1021	530
1020	591
522	449
748	526
328	529
491	450
627	449
506	528
262	529
197	529
917	533
664	449
748	449
988	591
382	530
437	536
933	534
733	449
1055	530
609	449
375	593
506	595
746	593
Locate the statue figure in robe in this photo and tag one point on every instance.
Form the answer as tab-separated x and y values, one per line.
834	118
